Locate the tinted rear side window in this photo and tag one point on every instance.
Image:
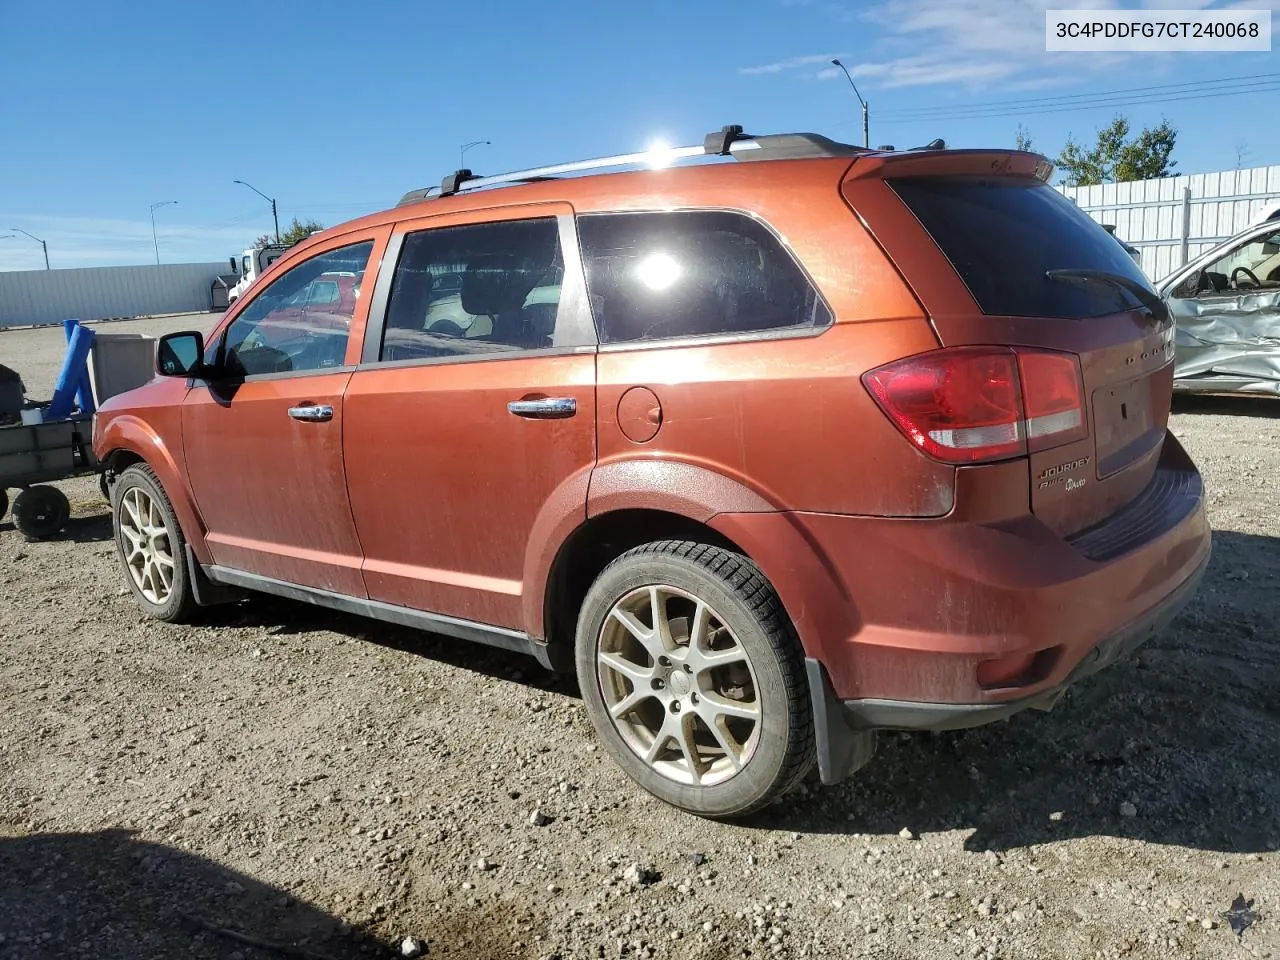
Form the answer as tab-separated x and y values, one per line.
1002	236
476	289
654	276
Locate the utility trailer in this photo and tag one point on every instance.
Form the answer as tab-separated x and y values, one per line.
42	443
33	455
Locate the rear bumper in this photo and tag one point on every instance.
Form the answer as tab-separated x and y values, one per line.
845	730
953	622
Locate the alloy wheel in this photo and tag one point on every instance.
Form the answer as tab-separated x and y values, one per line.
678	686
148	550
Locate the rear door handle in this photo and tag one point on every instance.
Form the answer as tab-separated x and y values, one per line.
312	413
546	408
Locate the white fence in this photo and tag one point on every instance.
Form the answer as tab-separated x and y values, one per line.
1175	219
37	297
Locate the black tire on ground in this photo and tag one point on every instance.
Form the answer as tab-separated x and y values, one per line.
746	603
179	605
4	503
40	512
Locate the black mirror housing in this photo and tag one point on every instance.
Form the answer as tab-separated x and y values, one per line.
180	354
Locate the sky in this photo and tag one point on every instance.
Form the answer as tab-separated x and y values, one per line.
337	108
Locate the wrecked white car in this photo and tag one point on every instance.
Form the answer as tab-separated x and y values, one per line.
1226	304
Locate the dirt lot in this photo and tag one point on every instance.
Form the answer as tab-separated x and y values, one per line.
282	775
37	352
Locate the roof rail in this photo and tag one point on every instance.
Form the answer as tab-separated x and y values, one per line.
729	141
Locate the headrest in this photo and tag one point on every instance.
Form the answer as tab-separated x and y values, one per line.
496	284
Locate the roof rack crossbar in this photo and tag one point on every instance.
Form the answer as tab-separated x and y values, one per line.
726	142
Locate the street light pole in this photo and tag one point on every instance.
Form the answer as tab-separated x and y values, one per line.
44	246
462	153
271	200
154	242
866	120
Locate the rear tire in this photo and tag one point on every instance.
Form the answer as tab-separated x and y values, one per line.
719	727
151	547
4	503
40	512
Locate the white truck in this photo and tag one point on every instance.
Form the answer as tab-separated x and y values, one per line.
253	262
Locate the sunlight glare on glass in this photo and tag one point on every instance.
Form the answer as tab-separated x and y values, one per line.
658	271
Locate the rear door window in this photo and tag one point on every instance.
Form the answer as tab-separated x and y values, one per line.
489	288
656	276
1002	236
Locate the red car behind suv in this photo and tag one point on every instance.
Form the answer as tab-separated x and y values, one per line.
777	453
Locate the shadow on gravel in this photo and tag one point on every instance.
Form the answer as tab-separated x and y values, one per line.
280	617
1185	731
95	529
85	529
112	896
1227	406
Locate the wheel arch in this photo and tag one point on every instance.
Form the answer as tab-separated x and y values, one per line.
127	441
593	546
628	502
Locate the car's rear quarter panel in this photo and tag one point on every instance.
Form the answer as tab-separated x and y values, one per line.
785	416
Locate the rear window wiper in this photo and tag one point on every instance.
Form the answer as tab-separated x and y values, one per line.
1146	297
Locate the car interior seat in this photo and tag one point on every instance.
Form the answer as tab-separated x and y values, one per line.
496	286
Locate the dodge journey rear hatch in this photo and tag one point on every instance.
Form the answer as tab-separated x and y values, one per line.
1055	346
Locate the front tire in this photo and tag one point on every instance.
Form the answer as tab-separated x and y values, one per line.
694	678
151	547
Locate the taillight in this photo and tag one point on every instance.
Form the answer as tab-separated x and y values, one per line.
1052	399
978	404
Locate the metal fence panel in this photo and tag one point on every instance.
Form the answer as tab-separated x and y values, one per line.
1175	219
37	297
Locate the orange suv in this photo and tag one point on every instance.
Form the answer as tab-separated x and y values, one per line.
777	450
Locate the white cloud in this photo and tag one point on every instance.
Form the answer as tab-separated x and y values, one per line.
972	43
791	63
977	43
925	70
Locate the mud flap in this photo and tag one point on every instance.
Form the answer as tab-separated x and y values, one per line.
205	591
842	749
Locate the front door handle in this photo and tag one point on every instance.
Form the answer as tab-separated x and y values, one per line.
312	413
545	408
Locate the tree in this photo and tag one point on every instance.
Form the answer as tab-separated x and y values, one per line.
1116	157
1023	140
296	233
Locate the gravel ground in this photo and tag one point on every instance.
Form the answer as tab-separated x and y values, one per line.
284	781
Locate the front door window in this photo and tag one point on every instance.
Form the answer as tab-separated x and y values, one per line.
301	320
1250	267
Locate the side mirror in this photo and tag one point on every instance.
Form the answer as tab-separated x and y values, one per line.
234	267
180	355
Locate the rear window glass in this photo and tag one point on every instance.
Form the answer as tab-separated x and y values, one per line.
656	276
1002	236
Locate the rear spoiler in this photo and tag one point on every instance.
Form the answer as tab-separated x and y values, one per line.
999	163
